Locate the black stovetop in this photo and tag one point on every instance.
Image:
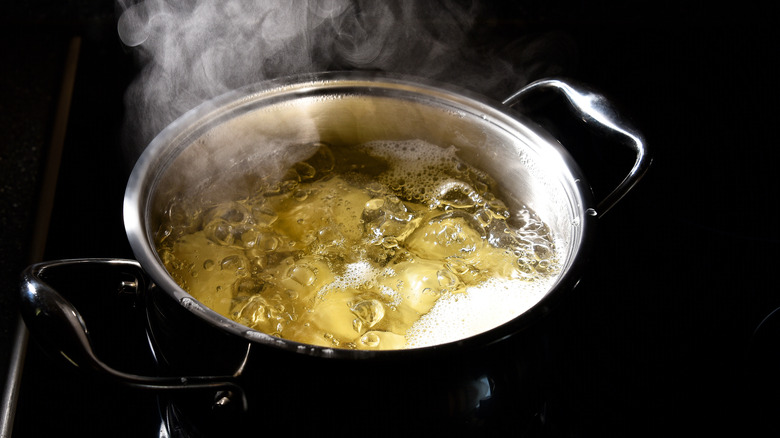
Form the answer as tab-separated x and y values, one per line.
658	340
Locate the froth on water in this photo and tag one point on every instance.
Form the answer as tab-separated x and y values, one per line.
384	245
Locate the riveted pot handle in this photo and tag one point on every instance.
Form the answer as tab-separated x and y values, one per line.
595	109
56	324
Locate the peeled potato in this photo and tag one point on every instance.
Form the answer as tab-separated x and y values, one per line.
329	318
217	268
440	238
333	198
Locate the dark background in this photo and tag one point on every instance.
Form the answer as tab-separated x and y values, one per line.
660	339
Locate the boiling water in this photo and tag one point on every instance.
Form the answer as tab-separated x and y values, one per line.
386	245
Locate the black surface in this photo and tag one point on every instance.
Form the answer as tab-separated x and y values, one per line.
658	340
86	221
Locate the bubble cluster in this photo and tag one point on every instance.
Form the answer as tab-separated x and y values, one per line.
384	245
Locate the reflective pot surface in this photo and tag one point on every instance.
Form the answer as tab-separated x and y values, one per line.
470	391
214	152
254	381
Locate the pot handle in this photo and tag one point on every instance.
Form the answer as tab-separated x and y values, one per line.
596	109
55	323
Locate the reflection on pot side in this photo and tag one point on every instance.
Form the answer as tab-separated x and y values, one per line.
385	245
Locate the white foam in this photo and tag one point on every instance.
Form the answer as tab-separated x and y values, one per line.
362	273
355	275
479	309
418	164
393	297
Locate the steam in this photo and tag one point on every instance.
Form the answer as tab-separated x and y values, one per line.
194	50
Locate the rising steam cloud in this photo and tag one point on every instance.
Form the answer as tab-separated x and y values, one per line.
194	50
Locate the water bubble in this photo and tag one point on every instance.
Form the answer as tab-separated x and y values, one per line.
249	238
389	242
164	232
330	236
524	266
257	262
305	170
370	339
375	189
374	204
483	217
220	232
247	286
300	195
369	311
233	213
457	265
498	210
289	181
302	275
387	221
252	312
323	160
331	338
481	187
396	208
266	241
235	216
456	194
264	215
234	263
542	252
446	279
452	233
208	265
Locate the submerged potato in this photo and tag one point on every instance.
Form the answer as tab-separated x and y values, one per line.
418	283
393	245
193	258
303	220
443	237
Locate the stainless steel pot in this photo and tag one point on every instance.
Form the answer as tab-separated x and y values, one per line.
256	129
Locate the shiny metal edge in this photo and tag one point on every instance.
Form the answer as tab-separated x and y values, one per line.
294	87
13	381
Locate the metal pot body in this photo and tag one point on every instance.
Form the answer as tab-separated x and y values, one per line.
473	383
240	379
468	391
217	148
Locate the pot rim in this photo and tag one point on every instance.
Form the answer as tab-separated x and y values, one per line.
190	124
